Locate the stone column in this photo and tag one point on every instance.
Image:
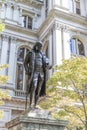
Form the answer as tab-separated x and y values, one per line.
8	11
83	7
16	13
50	5
4	52
2	11
66	37
34	26
11	72
65	3
71	4
57	46
50	51
56	2
20	16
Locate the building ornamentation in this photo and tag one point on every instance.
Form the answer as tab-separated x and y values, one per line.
59	26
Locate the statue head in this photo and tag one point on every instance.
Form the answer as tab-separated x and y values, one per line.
37	46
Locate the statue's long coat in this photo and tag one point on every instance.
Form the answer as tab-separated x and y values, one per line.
29	67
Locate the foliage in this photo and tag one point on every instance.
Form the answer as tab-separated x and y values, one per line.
68	91
2	27
4	94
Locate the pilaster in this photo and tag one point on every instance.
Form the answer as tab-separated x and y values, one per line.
50	51
4	51
57	46
66	42
20	16
35	26
16	13
8	10
11	72
2	11
50	5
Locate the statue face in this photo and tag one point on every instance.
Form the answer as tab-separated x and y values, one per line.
38	48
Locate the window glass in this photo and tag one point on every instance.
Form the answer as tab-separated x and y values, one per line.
77	7
27	22
20	76
76	47
21	54
20	68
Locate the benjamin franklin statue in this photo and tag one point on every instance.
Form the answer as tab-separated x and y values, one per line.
36	63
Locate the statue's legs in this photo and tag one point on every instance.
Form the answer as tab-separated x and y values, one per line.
41	79
33	97
33	90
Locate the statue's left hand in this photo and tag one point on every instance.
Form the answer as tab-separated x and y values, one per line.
49	66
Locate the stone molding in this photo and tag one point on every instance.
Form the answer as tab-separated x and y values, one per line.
6	38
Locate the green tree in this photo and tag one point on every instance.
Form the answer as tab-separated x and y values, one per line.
4	94
68	91
2	27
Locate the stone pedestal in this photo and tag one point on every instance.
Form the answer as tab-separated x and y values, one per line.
37	119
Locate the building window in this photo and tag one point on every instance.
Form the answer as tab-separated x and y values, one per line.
20	68
76	47
27	22
78	7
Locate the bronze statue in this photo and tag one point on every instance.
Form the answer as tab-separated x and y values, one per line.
36	63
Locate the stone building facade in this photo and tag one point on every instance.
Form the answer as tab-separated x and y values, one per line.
60	24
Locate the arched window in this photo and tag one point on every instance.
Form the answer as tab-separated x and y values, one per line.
76	47
27	22
20	68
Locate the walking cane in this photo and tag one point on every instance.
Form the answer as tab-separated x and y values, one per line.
27	92
28	81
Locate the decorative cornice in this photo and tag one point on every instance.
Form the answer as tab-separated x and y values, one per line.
5	37
13	39
16	7
59	26
33	4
